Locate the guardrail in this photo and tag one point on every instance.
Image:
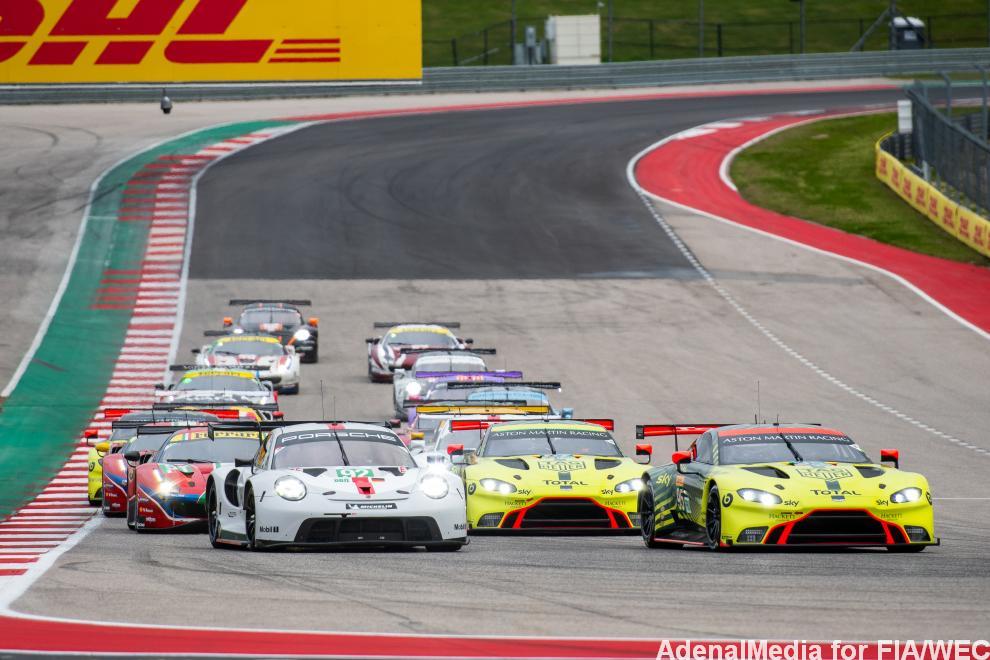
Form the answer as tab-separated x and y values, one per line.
512	78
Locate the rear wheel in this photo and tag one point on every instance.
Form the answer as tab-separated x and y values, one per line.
647	517
250	520
213	518
132	513
713	519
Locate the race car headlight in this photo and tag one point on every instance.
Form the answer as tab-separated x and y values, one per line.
290	488
168	488
498	486
413	389
761	496
906	495
302	334
630	486
435	487
238	331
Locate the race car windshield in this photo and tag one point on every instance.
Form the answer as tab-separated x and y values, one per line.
146	441
263	319
766	448
550	441
220	450
228	383
470	440
259	348
449	364
413	338
326	452
529	396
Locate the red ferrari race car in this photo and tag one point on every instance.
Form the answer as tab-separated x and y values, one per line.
166	489
398	348
133	430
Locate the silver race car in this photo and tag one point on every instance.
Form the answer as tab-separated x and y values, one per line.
334	484
260	352
218	385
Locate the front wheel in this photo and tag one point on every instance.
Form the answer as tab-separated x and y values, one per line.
647	517
132	514
250	520
713	519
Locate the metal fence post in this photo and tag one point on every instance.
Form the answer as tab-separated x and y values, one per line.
453	49
948	94
652	54
718	37
984	129
701	28
484	56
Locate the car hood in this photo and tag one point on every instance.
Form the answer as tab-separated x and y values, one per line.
564	474
356	483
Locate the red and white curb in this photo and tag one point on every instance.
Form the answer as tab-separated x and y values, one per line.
161	194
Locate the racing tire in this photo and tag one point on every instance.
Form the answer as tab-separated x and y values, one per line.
250	521
290	390
131	514
906	548
212	519
93	502
312	357
444	547
713	519
647	510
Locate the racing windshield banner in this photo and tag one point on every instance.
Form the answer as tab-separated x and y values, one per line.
158	41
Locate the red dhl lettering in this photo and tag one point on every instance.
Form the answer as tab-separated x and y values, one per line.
149	18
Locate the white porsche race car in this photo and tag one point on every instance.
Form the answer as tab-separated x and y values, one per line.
334	484
218	385
262	353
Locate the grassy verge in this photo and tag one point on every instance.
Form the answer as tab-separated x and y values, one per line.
823	172
749	27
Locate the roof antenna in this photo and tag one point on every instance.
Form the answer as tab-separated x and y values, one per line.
323	398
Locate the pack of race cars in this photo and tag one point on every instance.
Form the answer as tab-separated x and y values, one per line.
470	449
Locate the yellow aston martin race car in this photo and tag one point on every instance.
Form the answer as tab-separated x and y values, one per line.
551	475
781	485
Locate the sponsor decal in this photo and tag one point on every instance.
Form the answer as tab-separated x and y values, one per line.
471	488
460	526
268	529
86	41
727	500
561	465
831	491
827	474
370	506
663	479
790	502
782	515
354	472
564	482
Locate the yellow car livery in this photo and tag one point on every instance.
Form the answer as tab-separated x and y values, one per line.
781	485
551	475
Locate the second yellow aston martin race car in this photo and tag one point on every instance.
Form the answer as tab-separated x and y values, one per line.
781	485
551	475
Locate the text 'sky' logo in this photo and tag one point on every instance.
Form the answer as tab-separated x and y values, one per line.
134	25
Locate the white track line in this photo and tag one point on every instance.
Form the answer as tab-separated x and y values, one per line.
646	197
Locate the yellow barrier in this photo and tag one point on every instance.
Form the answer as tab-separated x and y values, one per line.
107	41
964	224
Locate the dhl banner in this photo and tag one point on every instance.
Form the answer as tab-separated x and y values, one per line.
964	224
158	41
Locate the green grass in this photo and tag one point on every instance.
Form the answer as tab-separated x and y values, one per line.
750	27
823	172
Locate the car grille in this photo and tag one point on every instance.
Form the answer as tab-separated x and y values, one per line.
559	513
840	527
490	520
368	530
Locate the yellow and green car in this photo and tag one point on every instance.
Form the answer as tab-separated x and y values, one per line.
551	475
781	485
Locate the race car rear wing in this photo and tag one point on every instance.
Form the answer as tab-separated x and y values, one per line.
267	410
476	351
392	324
271	425
468	374
266	301
274	380
644	431
218	410
150	428
115	414
532	384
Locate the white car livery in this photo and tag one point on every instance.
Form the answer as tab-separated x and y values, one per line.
335	484
264	354
203	385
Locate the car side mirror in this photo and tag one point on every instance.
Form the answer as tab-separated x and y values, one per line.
891	456
227	321
370	340
132	456
471	456
680	458
644	452
278	414
455	450
159	386
567	413
468	340
417	446
243	462
196	351
267	384
102	447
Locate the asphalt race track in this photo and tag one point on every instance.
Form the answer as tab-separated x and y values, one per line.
522	225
